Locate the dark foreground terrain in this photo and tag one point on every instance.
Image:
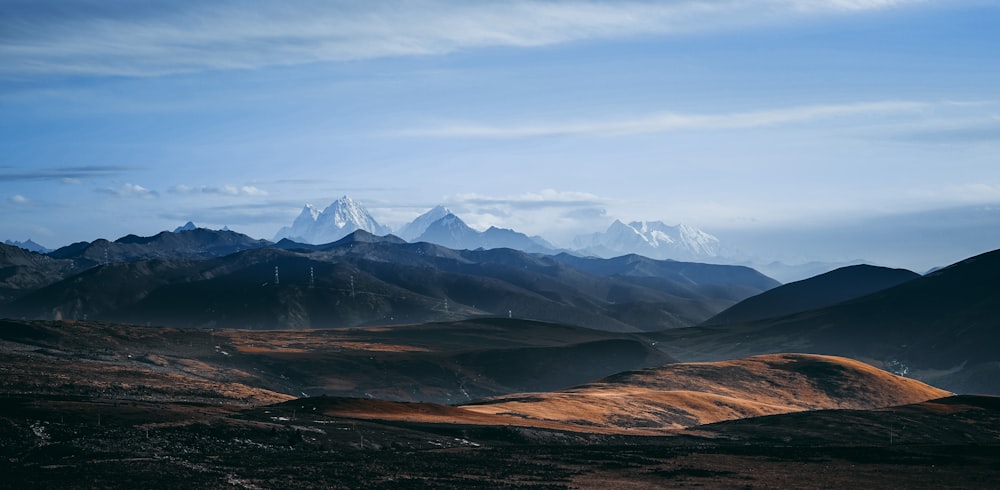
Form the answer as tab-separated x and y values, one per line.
94	405
62	442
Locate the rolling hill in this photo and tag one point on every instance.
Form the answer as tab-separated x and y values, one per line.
940	328
686	395
827	289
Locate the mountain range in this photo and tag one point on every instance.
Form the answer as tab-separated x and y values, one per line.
203	277
441	226
28	245
429	385
652	239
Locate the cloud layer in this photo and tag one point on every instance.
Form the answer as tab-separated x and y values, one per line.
224	190
69	175
148	39
129	191
665	122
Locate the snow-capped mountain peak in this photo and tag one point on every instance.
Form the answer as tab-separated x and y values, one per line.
339	219
653	239
418	226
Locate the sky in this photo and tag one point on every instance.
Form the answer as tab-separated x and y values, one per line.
793	130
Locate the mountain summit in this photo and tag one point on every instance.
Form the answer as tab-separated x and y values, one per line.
412	230
653	239
450	231
338	220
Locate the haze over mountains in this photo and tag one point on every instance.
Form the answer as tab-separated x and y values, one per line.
439	225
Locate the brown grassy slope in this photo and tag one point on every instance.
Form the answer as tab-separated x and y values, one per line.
93	360
443	363
685	395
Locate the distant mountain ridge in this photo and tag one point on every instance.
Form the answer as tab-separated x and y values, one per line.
187	279
197	243
29	245
450	231
439	225
412	230
653	239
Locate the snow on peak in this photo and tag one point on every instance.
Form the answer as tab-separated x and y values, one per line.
418	226
652	239
341	218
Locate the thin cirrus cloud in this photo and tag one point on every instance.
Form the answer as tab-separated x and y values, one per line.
667	122
46	37
548	198
68	175
225	190
129	191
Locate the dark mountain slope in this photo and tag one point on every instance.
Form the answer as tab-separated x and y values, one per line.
823	290
675	277
22	271
362	280
199	243
942	328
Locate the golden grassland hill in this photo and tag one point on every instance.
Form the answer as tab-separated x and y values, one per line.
662	400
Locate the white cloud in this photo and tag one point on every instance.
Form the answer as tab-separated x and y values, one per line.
557	215
547	198
225	190
131	191
18	199
144	41
668	121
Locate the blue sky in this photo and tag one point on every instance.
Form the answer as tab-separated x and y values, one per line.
773	124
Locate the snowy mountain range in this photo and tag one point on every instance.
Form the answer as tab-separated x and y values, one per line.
653	239
450	231
440	226
341	218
